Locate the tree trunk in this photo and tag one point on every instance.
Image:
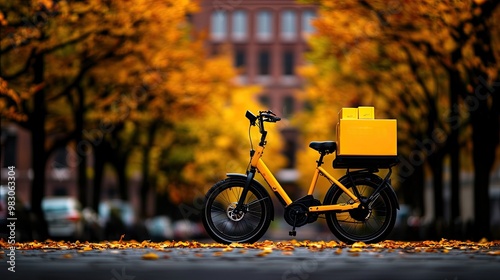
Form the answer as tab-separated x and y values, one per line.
145	186
121	166
100	152
39	156
485	134
412	189
82	166
436	164
484	106
454	151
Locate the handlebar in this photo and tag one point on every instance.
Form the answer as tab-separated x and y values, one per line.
264	116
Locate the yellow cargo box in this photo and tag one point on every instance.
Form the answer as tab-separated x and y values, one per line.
365	137
348	113
366	112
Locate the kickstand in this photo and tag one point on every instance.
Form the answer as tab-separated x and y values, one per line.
293	232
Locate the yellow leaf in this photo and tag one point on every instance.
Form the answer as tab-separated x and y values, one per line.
150	256
355	250
359	245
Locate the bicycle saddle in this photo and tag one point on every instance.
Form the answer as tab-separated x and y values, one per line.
326	147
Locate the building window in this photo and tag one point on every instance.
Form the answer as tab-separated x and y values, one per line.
264	25
288	25
307	17
239	58
264	63
265	101
288	63
240	25
288	106
218	25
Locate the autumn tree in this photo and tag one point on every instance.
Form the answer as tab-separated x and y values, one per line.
463	47
110	73
33	36
423	55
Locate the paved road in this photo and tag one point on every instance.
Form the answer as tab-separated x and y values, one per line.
242	264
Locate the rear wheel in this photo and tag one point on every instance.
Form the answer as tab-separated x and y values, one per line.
224	224
368	224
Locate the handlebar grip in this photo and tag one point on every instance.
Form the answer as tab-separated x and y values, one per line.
270	118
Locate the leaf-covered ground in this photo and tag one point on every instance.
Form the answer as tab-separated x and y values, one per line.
265	247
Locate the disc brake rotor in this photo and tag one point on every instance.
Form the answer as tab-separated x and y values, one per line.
233	215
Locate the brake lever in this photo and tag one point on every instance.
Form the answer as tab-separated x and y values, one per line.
268	112
271	118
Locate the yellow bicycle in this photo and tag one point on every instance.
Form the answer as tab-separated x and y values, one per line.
360	206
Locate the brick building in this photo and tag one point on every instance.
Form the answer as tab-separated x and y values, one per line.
268	41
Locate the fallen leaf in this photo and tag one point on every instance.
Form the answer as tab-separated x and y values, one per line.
355	250
483	240
359	245
150	256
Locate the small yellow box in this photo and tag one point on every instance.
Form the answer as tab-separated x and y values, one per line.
377	137
366	112
348	113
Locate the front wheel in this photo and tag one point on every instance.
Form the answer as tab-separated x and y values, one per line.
224	224
371	224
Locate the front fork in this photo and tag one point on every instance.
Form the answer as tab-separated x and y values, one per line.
240	206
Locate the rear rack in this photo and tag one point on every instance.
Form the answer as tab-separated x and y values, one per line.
356	162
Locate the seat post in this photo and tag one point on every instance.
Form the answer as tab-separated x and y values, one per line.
320	160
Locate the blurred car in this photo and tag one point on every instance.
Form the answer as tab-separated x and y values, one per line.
64	217
160	228
93	230
117	217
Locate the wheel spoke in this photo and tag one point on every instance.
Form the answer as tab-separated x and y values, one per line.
226	225
370	224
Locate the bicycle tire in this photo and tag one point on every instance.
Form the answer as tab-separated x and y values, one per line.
224	226
352	226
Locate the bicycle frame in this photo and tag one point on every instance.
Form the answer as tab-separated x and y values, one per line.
226	204
268	176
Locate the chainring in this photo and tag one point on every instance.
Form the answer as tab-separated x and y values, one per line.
296	214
